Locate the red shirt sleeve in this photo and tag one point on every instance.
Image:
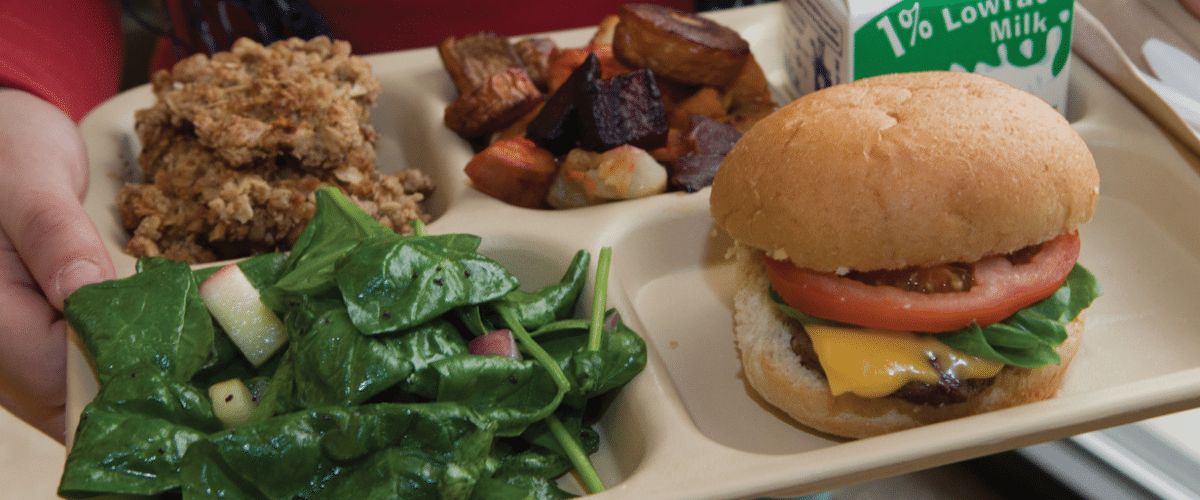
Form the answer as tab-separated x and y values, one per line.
385	25
68	52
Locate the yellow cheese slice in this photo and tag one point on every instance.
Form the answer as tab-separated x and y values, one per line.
873	363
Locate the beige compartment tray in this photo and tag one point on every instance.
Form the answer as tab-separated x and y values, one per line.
688	428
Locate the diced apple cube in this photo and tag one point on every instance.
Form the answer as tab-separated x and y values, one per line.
234	302
232	402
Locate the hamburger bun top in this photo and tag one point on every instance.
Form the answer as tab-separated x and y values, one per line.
909	169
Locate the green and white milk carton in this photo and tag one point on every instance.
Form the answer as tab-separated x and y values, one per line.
1026	43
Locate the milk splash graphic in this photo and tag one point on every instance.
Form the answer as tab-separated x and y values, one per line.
1041	77
1023	42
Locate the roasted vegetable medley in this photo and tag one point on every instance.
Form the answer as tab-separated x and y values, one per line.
651	104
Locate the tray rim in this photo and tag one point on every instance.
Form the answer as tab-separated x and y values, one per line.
755	474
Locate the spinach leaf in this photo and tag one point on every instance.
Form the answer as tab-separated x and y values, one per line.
565	434
541	436
1028	338
397	283
512	393
279	397
429	450
260	270
554	301
424	347
622	356
132	437
551	302
337	227
203	273
509	485
522	475
472	320
445	446
154	317
335	364
396	473
264	270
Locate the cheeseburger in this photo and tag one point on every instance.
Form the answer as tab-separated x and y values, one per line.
906	248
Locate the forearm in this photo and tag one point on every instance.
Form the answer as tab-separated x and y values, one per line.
68	52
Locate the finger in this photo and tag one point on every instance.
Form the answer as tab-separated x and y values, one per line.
45	168
33	357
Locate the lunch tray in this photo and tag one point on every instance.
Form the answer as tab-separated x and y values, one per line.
689	427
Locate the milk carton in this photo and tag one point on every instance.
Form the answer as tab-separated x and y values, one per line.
1026	43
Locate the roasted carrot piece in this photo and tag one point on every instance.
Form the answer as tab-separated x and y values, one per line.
514	170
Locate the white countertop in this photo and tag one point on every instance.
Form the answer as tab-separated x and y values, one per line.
30	462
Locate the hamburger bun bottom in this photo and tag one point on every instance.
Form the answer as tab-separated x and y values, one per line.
770	367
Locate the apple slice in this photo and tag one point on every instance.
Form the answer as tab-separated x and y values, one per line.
232	402
233	301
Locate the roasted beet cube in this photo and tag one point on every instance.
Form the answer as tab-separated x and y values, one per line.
556	127
711	140
709	136
625	109
693	171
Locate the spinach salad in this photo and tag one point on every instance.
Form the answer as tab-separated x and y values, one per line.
375	394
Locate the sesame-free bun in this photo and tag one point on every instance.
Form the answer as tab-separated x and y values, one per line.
905	169
773	370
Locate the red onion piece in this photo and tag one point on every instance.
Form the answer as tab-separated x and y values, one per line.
495	343
611	322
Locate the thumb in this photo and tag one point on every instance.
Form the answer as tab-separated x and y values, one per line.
1192	6
43	164
57	242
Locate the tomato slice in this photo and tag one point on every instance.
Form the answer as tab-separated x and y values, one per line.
1000	289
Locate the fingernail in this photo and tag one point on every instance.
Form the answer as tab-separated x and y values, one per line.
77	273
